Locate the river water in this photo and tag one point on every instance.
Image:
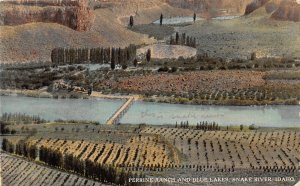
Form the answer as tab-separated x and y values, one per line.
160	113
152	113
183	20
67	109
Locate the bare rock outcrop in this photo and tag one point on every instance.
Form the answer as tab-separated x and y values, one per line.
74	14
48	2
254	5
284	10
287	11
212	7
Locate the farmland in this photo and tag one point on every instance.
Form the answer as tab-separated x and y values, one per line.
153	146
233	87
17	171
111	91
228	150
170	83
138	152
161	150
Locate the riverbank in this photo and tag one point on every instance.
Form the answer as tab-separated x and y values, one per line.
28	93
220	101
216	87
110	96
156	99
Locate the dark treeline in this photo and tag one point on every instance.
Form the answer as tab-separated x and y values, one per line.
23	149
55	158
77	121
7	146
5	130
204	125
207	126
121	56
183	39
20	118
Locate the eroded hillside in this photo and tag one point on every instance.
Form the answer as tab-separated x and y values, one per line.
30	29
212	8
34	40
284	10
74	14
287	11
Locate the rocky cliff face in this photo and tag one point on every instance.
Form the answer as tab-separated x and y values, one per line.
74	14
210	8
48	2
285	10
254	5
213	7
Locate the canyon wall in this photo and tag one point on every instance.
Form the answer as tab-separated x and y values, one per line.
283	10
74	14
254	5
48	2
213	7
287	11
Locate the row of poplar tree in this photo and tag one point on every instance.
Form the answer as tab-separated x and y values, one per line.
93	170
121	56
21	118
206	126
183	39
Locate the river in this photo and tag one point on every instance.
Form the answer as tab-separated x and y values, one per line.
188	19
67	109
161	113
152	113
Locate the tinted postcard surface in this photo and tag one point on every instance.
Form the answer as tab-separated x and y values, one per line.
150	92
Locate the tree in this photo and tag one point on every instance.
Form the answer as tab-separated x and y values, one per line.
183	39
253	56
172	42
148	55
113	59
241	127
90	89
131	21
177	38
174	69
135	62
161	19
5	144
120	59
188	41
13	131
195	17
124	66
122	178
194	43
3	128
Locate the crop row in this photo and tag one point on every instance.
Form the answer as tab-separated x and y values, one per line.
139	151
227	150
15	171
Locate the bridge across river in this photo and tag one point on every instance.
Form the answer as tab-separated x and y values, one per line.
116	117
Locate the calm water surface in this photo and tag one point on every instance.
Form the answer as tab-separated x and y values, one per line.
160	113
177	20
66	109
181	20
152	113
